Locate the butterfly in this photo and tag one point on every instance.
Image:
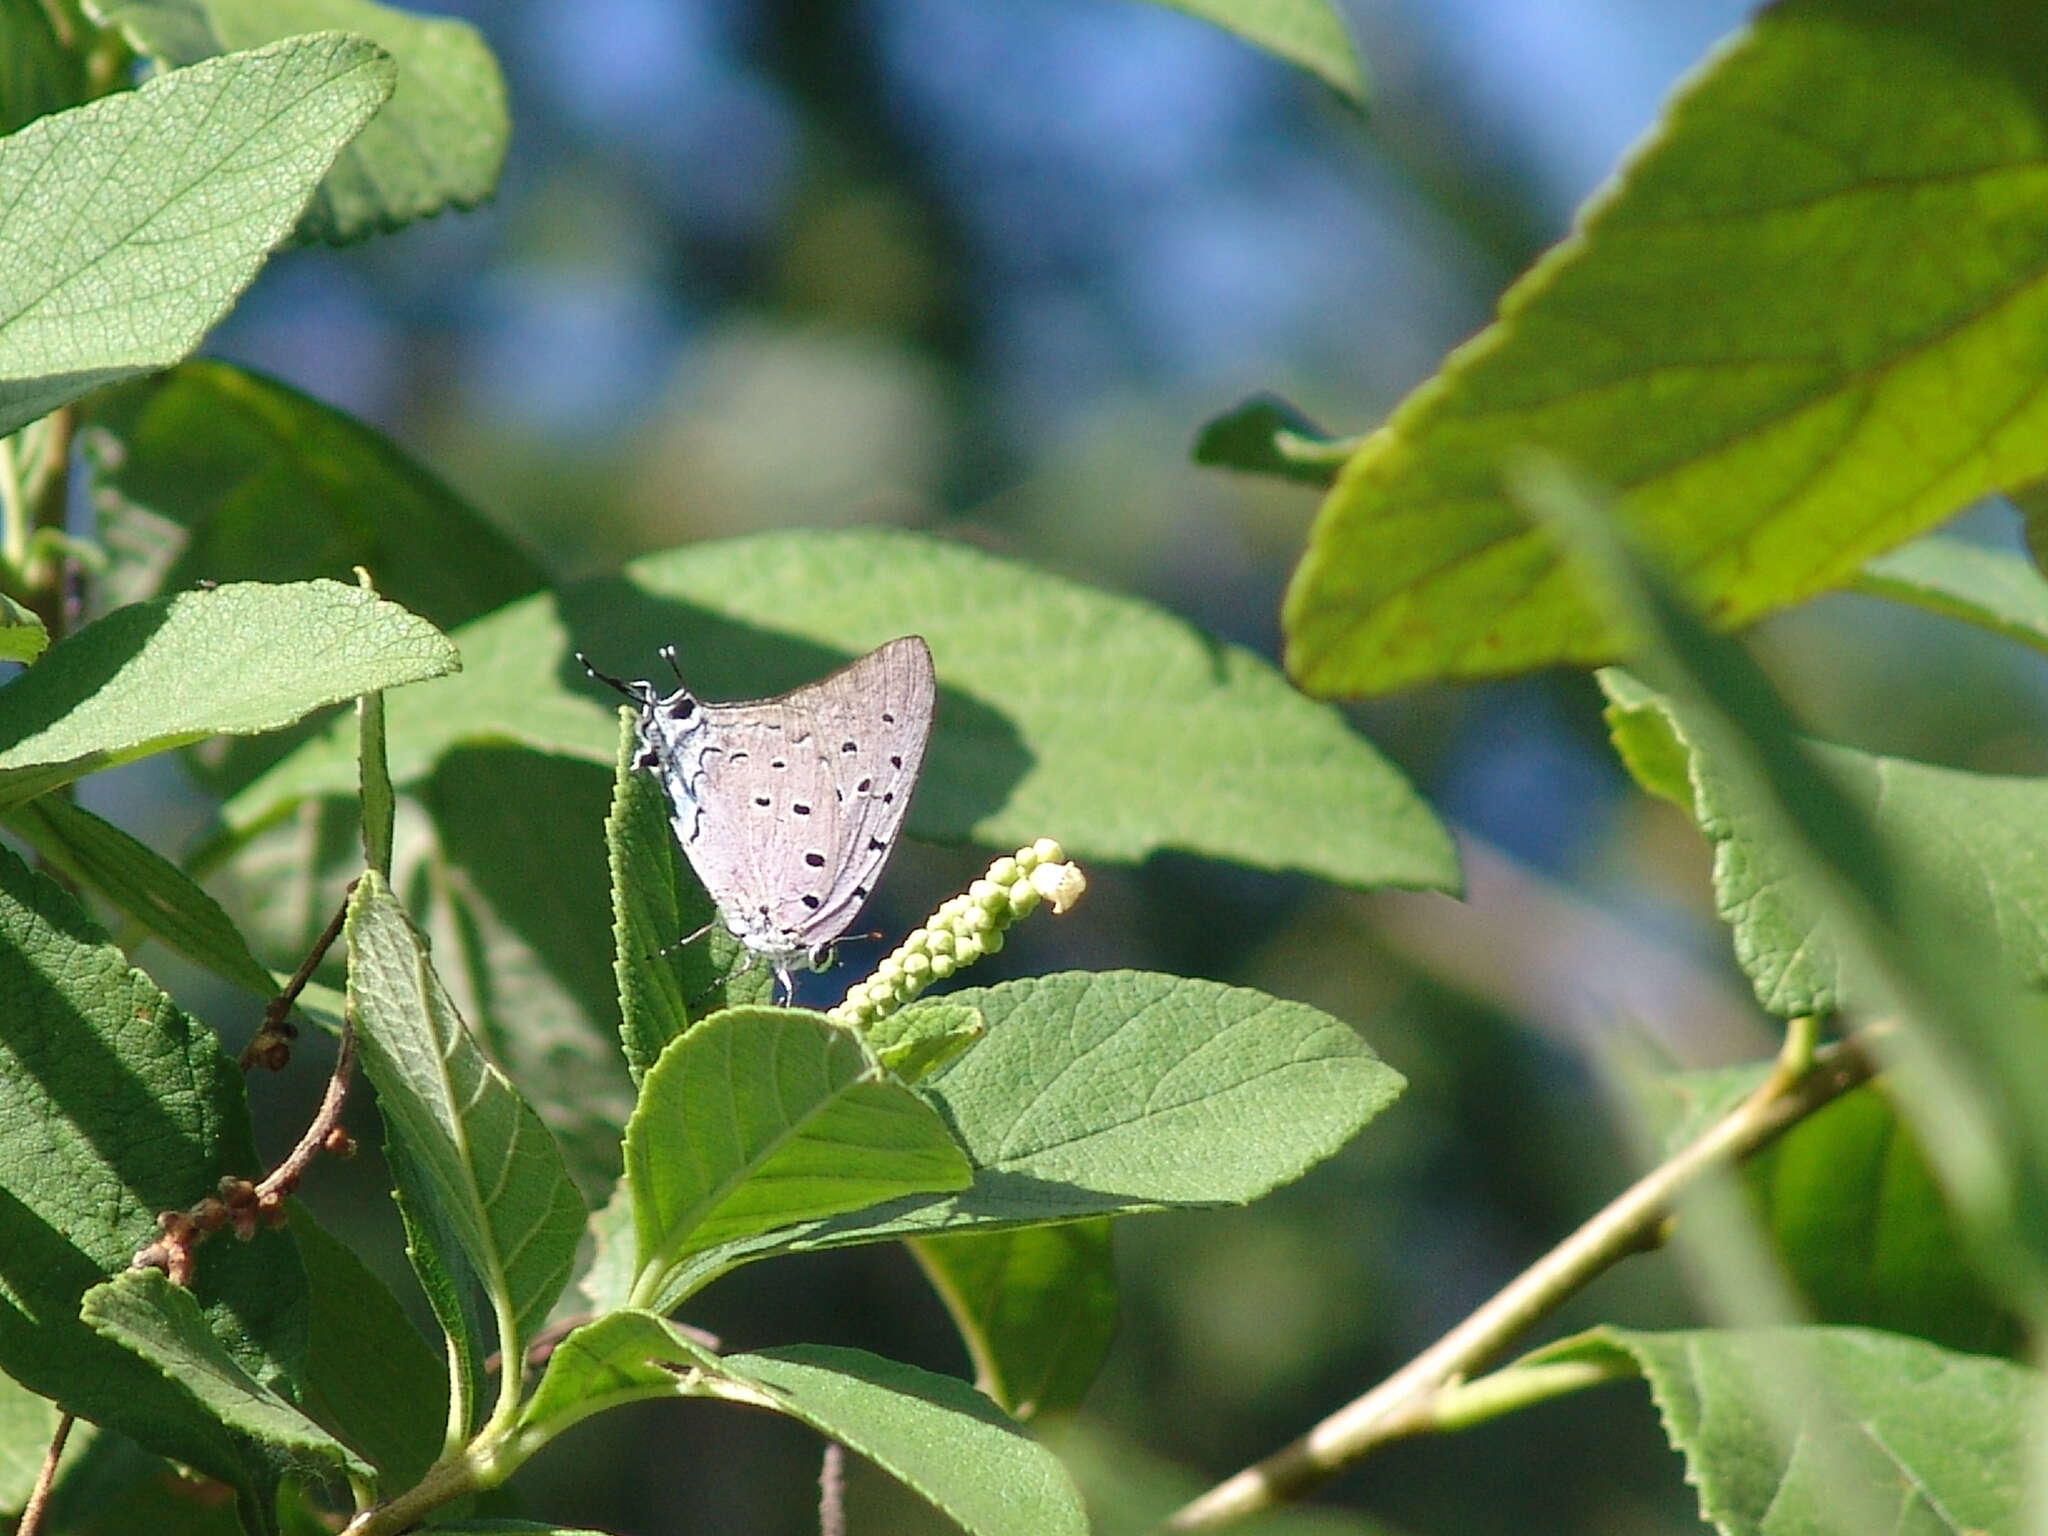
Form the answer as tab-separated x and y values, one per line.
788	808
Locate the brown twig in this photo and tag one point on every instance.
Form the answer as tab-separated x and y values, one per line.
238	1203
832	1491
1403	1404
270	1046
46	1479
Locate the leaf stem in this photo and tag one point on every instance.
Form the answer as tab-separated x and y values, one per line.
1413	1400
46	1479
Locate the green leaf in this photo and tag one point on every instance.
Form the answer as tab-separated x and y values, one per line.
379	805
205	167
22	635
622	1357
142	1311
1267	436
1851	1210
517	904
1972	1049
38	74
1837	1429
1744	335
119	1106
915	1042
1975	840
760	1118
1036	1306
1308	34
934	1434
486	1166
439	144
1149	736
211	471
144	885
1099	1094
237	660
369	1374
27	1425
655	903
1994	590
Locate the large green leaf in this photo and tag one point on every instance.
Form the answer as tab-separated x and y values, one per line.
148	888
115	1106
200	173
236	660
438	145
210	472
1035	1305
1747	334
517	905
1972	1041
934	1434
483	1162
160	1322
1978	841
1101	1093
369	1374
1063	711
760	1118
1837	1430
1306	33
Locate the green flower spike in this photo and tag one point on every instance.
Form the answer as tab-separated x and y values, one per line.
964	929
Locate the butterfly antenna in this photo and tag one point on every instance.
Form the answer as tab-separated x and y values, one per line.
607	679
668	654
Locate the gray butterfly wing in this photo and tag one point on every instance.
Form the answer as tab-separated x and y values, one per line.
799	799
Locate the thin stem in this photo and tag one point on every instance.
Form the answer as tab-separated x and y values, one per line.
832	1491
46	1479
13	511
1404	1404
274	1032
284	1178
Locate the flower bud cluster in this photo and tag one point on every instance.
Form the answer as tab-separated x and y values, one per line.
965	928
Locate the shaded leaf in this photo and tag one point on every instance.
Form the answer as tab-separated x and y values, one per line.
1745	336
114	1106
206	166
1979	842
1036	1306
1267	436
439	143
144	885
369	1374
934	1434
209	471
1837	1429
1308	34
760	1118
1099	1094
142	1311
1852	1212
38	74
484	1163
1149	736
27	1424
915	1042
238	660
